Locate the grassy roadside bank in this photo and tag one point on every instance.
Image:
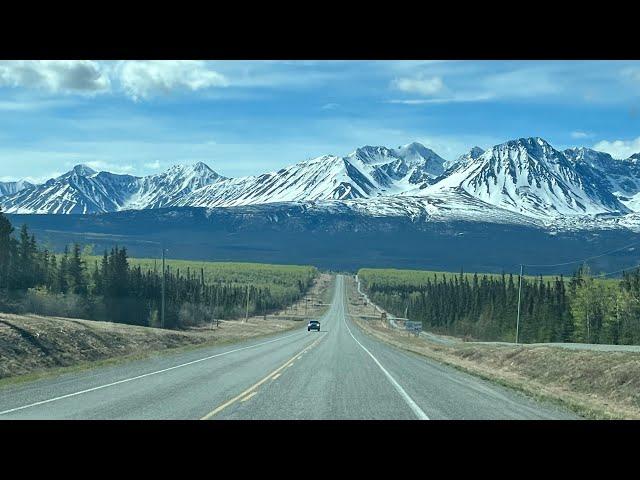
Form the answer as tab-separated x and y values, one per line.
594	384
33	347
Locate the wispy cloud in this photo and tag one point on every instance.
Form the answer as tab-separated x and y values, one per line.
31	105
421	85
152	165
577	134
473	82
453	99
101	165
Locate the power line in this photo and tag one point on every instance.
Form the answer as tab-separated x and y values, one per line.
617	271
582	260
567	263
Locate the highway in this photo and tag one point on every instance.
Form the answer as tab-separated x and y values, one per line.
337	373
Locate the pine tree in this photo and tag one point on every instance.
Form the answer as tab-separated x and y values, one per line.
5	250
78	283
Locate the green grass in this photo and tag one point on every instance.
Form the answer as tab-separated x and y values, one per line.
227	272
392	276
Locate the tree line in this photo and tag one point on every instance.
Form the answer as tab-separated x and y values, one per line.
35	280
581	309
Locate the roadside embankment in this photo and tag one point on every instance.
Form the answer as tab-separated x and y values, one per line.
33	346
595	384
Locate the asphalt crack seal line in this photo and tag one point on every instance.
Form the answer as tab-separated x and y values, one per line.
248	397
413	405
245	394
62	397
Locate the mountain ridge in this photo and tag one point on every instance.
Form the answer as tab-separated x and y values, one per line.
526	176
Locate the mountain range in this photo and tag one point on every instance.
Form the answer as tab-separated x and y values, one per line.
522	181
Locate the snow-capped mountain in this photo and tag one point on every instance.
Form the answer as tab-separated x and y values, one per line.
621	176
9	188
530	177
83	190
472	154
169	187
520	181
365	173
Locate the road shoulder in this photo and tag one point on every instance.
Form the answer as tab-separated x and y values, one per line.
596	385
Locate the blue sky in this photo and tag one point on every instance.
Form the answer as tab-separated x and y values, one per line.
244	118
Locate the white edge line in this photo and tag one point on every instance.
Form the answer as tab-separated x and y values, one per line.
413	405
142	376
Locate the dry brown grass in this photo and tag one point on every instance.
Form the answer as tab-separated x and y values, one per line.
595	384
31	344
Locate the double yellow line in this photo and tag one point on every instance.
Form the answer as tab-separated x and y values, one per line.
250	392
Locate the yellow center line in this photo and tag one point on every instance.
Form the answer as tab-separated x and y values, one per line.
255	386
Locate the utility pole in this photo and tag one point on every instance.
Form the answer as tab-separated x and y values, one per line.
163	287
618	317
214	310
246	317
519	296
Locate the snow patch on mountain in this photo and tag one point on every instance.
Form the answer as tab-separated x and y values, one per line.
9	188
85	191
522	181
622	177
530	177
169	187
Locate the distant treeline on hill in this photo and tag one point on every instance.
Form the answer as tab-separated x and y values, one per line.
34	280
582	309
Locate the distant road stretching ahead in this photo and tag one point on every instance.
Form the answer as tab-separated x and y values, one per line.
337	373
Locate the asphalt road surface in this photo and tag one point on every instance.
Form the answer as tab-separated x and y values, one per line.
337	373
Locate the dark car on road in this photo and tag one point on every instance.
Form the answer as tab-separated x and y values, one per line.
313	325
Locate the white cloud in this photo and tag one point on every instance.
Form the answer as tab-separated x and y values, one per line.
523	82
103	166
330	106
479	82
77	76
619	148
578	134
143	79
421	85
